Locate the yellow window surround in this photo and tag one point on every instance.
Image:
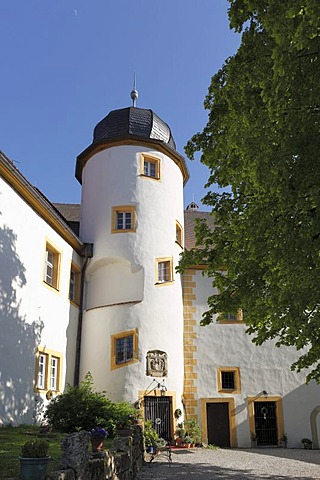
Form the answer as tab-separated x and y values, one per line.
122	335
75	284
48	370
164	271
150	166
123	219
179	234
236	387
52	262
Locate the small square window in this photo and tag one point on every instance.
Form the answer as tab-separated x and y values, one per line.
123	219
229	380
150	166
124	349
164	272
51	266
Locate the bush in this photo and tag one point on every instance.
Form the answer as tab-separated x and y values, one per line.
35	449
151	438
81	408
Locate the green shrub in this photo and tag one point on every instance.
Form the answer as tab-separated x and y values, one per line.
35	449
81	408
151	438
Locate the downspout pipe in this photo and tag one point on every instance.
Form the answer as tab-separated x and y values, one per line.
87	253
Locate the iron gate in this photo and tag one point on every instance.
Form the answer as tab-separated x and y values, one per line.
265	417
158	410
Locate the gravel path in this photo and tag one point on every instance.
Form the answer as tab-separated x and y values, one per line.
224	464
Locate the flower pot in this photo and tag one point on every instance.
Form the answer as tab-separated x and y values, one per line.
178	441
96	444
33	468
307	446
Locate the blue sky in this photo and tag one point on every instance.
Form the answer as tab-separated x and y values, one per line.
66	63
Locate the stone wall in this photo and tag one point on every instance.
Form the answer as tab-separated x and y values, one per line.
122	462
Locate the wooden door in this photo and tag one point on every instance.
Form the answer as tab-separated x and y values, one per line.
218	424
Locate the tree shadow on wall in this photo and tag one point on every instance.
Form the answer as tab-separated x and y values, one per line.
18	339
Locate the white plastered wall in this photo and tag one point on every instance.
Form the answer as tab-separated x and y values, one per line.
32	313
124	263
261	368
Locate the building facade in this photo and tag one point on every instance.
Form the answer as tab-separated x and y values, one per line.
94	288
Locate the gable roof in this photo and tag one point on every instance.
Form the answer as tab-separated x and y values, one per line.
38	202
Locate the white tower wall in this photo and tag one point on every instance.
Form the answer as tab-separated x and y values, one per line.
121	293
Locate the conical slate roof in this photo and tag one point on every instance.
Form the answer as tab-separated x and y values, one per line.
138	122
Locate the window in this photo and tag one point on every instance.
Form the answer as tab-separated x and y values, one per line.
123	219
74	286
51	267
150	166
124	348
229	380
48	370
231	317
164	272
179	237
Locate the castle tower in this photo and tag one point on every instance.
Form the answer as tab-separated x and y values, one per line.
132	211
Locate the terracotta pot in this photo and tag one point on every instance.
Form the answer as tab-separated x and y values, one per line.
96	444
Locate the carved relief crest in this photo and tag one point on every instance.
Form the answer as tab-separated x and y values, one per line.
157	363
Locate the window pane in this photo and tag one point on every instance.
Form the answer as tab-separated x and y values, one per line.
72	287
128	220
49	267
227	380
53	373
124	221
163	271
124	349
119	221
150	169
41	371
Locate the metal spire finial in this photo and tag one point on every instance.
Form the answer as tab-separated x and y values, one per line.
134	93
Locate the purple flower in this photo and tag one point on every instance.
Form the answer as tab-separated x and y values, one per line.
97	432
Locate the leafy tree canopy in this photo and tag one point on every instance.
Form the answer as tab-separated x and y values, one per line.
262	140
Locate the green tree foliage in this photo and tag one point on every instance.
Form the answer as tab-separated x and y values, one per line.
81	408
262	141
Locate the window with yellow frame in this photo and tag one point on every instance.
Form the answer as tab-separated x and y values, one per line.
123	219
150	166
179	234
164	271
51	266
75	284
231	317
228	380
48	370
124	348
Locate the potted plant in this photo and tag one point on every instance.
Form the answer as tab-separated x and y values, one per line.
307	443
194	430
180	433
187	441
34	460
97	435
151	438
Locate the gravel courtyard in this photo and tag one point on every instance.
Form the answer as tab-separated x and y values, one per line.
224	464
